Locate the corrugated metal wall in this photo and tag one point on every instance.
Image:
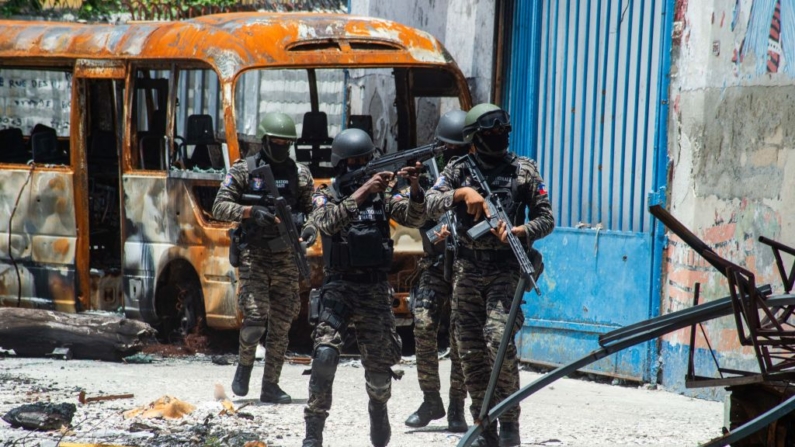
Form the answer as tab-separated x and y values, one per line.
585	97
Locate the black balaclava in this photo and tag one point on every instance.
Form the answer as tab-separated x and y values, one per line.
277	153
491	148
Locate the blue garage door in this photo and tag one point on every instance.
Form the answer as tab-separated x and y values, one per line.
588	97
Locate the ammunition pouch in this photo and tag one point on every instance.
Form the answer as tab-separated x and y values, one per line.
314	306
234	245
334	313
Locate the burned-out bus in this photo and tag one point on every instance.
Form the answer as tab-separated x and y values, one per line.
114	140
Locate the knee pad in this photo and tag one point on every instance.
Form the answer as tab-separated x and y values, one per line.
379	385
324	366
252	331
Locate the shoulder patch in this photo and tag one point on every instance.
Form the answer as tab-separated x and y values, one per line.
441	181
227	180
542	189
319	200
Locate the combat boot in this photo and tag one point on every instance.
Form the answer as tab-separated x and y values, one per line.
488	438
456	421
242	377
380	431
431	408
314	431
273	394
509	434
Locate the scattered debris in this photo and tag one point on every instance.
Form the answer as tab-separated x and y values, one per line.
219	393
38	332
60	353
299	360
85	400
139	357
41	416
167	407
140	426
221	360
72	444
255	444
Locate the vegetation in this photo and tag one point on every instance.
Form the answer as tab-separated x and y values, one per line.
102	10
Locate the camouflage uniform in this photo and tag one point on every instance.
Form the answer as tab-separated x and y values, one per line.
431	307
486	273
358	296
268	290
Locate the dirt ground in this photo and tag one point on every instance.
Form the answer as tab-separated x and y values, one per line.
571	412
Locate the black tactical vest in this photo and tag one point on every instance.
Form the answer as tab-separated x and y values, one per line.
286	176
504	183
364	243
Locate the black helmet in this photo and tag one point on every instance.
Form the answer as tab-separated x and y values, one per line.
451	128
350	143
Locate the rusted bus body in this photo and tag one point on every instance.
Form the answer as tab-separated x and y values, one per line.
147	117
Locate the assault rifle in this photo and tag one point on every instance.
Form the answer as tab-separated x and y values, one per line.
391	162
496	214
448	218
284	213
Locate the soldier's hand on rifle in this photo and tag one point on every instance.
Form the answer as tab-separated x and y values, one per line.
442	233
262	216
309	236
476	205
502	233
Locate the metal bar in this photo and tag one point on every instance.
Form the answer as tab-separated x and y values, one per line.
572	111
507	335
753	426
691	367
542	155
612	150
551	149
594	118
581	212
634	147
602	117
659	170
641	337
646	114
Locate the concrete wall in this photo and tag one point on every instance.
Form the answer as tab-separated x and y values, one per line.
465	28
732	154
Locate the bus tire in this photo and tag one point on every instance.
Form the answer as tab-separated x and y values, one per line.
179	302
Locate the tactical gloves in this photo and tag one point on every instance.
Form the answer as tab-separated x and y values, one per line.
262	216
309	236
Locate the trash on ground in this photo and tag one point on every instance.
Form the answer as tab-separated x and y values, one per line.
41	416
85	400
139	358
168	407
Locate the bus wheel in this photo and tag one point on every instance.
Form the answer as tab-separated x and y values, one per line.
180	303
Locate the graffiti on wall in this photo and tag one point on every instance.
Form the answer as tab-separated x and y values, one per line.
769	35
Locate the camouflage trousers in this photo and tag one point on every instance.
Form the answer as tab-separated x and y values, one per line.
368	307
268	297
431	306
482	295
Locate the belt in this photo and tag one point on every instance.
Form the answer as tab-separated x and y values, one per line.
485	255
362	278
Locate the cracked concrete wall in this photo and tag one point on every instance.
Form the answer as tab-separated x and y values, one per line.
732	155
465	28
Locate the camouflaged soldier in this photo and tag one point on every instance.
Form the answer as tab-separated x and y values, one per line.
268	291
486	273
431	304
357	252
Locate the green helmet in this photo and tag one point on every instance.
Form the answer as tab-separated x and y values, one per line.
485	116
278	125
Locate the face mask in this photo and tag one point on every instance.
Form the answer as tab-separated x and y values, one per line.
278	153
492	146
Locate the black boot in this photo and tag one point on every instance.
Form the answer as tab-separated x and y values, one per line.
314	431
509	434
488	438
380	431
431	408
456	421
273	394
242	377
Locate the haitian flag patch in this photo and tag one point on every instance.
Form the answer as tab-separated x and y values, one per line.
542	189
